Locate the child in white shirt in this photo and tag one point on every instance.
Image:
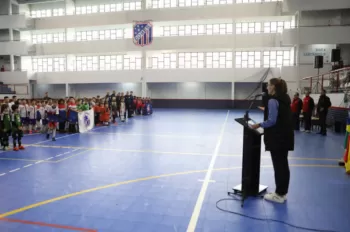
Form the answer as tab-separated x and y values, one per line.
32	116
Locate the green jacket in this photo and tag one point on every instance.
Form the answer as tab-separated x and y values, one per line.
16	122
6	122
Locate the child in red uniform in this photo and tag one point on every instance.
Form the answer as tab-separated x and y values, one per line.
53	110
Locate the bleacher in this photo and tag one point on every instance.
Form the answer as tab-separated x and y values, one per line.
4	89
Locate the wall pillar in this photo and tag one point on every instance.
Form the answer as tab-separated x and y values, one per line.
143	75
9	6
12	63
10	34
67	90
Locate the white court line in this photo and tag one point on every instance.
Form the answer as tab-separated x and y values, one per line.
2	174
152	135
49	158
14	170
27	166
197	208
40	161
65	136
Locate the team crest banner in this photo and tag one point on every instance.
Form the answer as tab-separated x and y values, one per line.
86	120
143	33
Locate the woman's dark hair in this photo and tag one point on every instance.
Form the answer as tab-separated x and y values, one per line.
280	86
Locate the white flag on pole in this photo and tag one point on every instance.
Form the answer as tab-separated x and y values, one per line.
86	120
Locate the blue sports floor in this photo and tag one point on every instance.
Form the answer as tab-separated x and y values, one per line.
165	172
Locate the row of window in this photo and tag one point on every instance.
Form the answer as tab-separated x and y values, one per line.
266	27
49	64
190	3
137	5
184	30
270	59
105	63
254	59
108	34
224	29
124	6
58	37
47	13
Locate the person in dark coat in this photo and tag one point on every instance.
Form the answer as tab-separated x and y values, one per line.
322	109
278	136
296	106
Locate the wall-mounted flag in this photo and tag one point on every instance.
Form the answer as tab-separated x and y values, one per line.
143	33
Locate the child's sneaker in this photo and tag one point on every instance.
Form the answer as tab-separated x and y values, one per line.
53	139
15	149
21	147
47	136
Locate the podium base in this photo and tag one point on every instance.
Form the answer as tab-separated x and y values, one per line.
238	189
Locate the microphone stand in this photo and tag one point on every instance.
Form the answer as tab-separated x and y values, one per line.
246	115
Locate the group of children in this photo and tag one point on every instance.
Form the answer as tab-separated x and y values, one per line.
28	116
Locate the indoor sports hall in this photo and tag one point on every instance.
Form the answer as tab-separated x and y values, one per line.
133	115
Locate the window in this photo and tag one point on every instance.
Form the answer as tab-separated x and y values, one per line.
105	8
219	60
256	1
276	27
248	59
193	30
277	58
191	60
48	38
108	63
100	35
58	12
162	61
88	63
47	13
50	64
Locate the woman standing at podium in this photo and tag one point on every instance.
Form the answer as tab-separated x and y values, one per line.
278	136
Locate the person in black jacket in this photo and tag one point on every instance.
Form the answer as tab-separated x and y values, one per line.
322	109
278	136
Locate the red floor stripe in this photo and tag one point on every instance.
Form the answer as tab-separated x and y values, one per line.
47	225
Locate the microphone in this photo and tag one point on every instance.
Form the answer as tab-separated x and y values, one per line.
246	116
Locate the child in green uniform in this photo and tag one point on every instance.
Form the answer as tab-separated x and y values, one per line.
17	130
5	126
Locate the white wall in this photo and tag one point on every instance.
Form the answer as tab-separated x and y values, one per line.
317	35
92	90
290	74
296	5
14	77
307	53
84	90
14	48
189	90
12	21
55	91
337	99
320	18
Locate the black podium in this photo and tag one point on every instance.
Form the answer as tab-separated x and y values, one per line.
250	185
